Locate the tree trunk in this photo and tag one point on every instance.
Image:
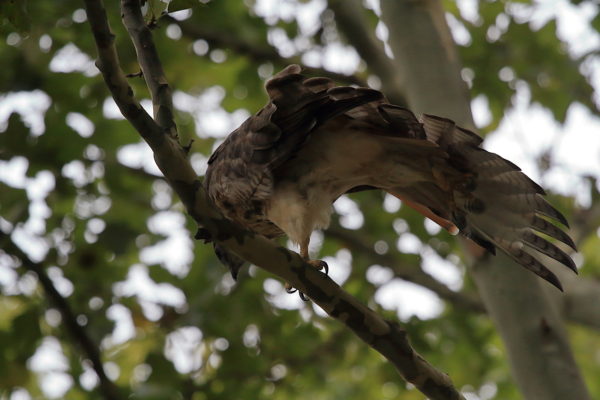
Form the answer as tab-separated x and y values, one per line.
528	322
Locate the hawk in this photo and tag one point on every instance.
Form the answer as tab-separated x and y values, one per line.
282	169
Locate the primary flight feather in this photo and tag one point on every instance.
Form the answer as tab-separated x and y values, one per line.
282	169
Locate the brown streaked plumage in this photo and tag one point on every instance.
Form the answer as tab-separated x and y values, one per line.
281	170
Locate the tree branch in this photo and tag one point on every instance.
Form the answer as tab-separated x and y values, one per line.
108	64
162	99
577	303
420	40
532	330
384	336
585	221
230	41
541	360
407	272
351	21
108	389
581	302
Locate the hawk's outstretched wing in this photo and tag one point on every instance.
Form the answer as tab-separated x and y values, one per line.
240	176
281	170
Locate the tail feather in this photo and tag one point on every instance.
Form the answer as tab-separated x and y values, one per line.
445	132
527	202
551	250
505	187
493	166
499	206
531	263
543	226
488	198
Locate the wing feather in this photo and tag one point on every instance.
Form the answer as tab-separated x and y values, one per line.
496	205
434	165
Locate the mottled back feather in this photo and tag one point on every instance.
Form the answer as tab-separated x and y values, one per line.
314	141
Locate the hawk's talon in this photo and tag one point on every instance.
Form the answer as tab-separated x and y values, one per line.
290	289
325	267
266	173
319	265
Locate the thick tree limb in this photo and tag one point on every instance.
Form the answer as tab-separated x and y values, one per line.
384	336
581	294
351	21
533	332
108	389
581	302
230	40
577	303
430	87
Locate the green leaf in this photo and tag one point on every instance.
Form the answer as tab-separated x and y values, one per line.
15	13
178	5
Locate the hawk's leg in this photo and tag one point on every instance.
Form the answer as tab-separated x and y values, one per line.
318	264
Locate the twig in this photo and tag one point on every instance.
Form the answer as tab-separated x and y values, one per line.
135	74
108	64
233	42
407	272
162	99
384	336
77	332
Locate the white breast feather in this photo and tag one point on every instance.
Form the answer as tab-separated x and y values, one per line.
299	215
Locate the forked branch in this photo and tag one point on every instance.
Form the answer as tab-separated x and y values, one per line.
77	332
384	336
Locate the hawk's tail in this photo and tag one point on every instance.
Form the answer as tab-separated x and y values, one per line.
498	205
491	201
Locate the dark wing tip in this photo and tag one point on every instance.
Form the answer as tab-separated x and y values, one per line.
536	186
560	218
533	264
318	84
545	208
554	281
570	242
543	246
347	92
288	74
541	225
548	276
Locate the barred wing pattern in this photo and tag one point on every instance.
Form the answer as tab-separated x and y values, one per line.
502	208
282	169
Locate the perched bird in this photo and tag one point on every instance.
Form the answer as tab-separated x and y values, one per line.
282	169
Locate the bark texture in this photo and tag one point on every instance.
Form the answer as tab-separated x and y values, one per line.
387	337
526	318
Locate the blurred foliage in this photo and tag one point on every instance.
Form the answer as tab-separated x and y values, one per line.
95	221
505	49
